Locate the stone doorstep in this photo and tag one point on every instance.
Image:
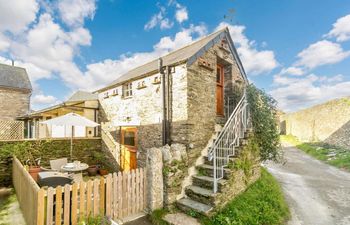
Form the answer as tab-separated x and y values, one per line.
180	219
187	205
128	218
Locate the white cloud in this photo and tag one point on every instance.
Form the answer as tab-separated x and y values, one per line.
166	24
4	43
181	14
102	73
321	53
341	29
297	93
254	61
159	19
297	71
16	15
43	99
74	12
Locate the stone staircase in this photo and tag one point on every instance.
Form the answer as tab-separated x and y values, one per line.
199	196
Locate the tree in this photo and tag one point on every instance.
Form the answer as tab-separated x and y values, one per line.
263	111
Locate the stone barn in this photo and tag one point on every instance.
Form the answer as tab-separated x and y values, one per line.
179	98
15	92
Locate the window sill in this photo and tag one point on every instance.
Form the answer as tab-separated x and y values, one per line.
128	97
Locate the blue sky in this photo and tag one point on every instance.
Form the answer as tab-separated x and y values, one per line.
297	50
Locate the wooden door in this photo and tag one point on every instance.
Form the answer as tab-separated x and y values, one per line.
220	90
128	159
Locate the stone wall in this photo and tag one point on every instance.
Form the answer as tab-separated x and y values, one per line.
193	105
144	110
84	150
245	170
202	95
328	122
13	103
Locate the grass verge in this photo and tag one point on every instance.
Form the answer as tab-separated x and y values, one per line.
335	156
262	203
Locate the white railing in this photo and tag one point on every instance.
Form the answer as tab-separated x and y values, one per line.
228	139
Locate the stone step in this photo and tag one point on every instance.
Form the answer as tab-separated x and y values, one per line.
187	205
207	162
207	182
208	170
199	194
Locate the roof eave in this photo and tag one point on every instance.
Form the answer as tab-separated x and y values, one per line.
138	77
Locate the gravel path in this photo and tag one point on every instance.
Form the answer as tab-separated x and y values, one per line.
316	192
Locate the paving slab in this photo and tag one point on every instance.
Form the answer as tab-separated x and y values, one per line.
180	219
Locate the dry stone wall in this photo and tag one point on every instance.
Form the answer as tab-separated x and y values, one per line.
328	122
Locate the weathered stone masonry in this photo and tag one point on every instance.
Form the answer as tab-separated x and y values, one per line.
193	105
14	102
328	122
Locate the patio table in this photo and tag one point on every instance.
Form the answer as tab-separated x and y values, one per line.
75	170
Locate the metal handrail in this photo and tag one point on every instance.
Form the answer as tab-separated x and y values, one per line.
228	139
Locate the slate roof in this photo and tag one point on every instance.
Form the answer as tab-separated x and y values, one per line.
81	96
188	53
14	77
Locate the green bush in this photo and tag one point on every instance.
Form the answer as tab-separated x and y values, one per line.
262	203
263	111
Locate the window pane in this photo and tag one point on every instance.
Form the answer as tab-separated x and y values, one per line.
129	138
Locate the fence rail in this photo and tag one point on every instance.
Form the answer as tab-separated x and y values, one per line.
11	130
116	196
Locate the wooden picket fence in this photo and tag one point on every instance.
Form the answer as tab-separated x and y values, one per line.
26	190
11	130
115	196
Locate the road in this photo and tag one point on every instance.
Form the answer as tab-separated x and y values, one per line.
318	194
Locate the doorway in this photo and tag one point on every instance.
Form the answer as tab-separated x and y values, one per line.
128	153
220	90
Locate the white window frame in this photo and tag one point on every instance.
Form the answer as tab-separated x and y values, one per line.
127	90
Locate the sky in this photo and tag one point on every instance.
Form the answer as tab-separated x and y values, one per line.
297	51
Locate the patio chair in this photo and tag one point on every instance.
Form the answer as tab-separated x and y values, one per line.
56	164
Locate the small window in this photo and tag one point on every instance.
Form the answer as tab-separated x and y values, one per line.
127	90
129	138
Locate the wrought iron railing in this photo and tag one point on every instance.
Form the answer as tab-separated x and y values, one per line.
229	139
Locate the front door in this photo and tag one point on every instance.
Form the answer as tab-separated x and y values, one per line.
128	160
220	90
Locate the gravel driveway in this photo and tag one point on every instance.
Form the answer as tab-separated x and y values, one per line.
318	194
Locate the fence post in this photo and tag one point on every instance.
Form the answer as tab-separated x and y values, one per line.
154	176
41	204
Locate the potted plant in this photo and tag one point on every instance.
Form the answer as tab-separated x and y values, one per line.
33	165
103	171
100	158
92	170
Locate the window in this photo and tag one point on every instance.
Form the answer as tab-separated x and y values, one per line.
129	138
115	92
127	90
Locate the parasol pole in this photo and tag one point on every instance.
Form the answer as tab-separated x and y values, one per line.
71	145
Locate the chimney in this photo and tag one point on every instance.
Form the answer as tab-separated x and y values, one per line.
13	62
